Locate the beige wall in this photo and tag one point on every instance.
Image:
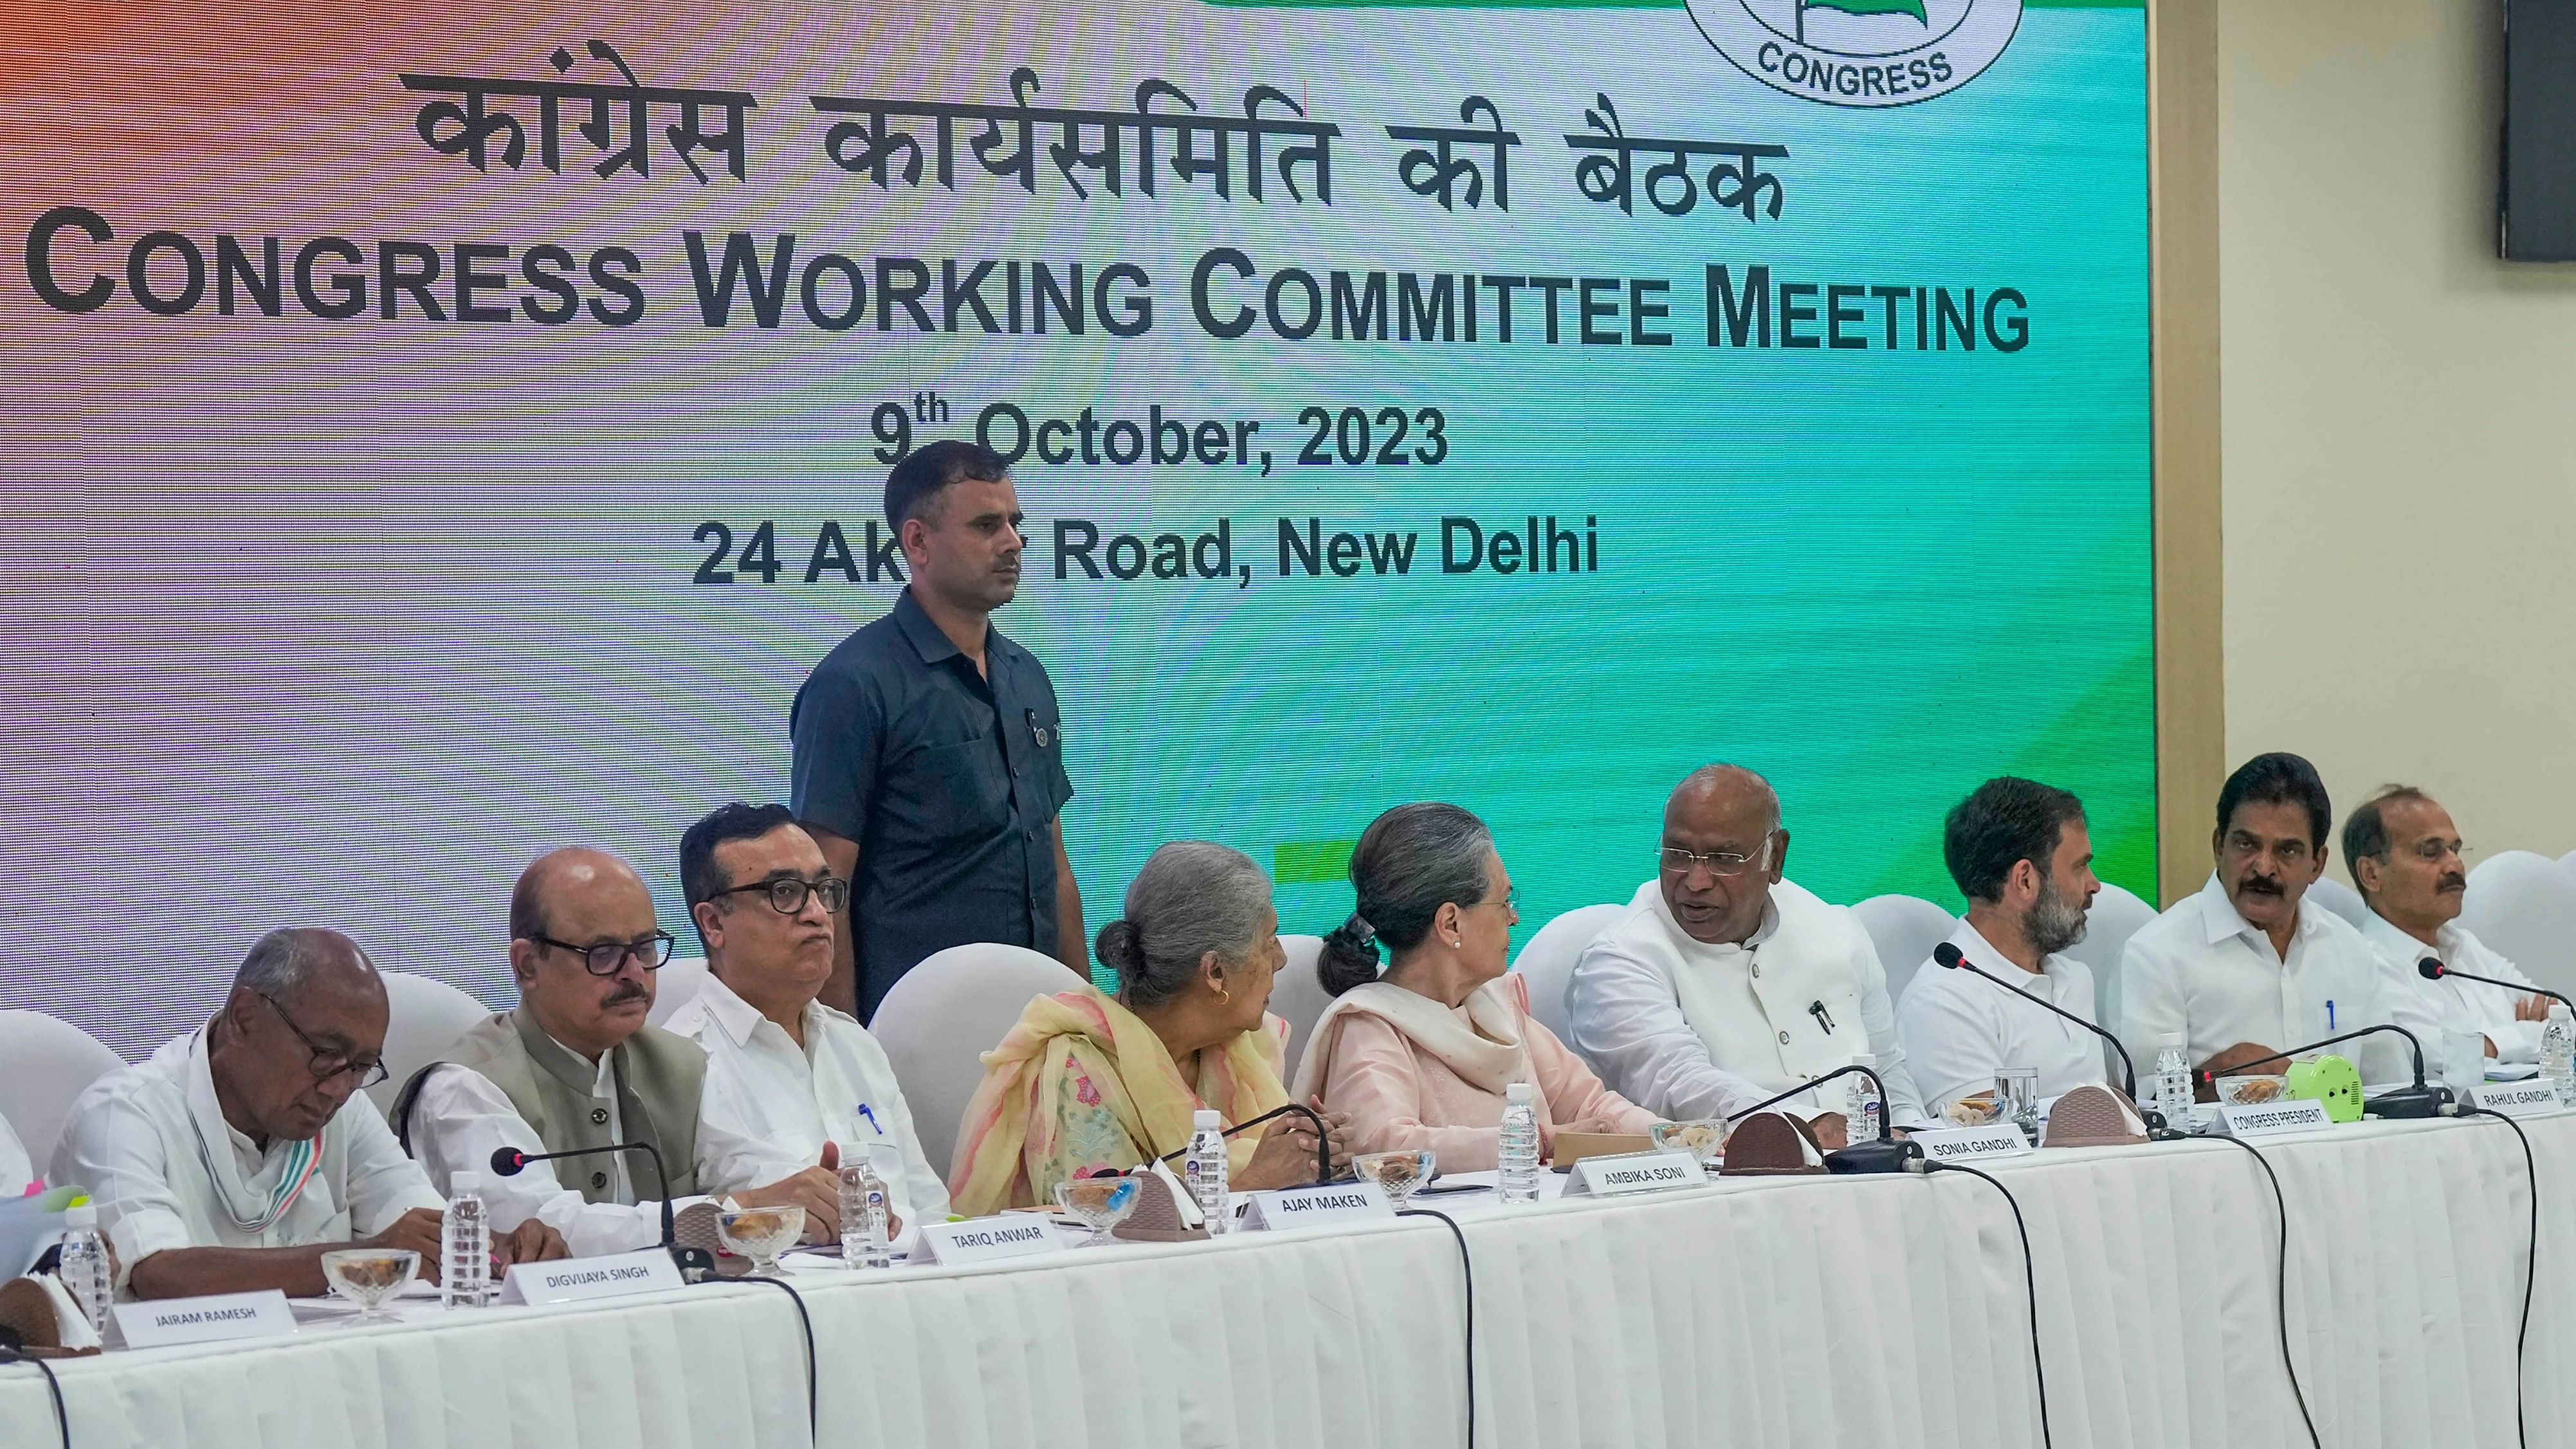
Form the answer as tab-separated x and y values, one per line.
2397	420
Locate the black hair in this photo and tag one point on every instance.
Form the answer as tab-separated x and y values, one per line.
1409	863
913	488
2002	823
2365	831
699	877
2278	779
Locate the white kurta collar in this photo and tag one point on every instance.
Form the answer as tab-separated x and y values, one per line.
2222	920
2385	934
742	1022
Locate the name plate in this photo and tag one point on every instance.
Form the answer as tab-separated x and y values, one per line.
572	1280
981	1240
2528	1098
1635	1172
1971	1144
2269	1119
1300	1207
167	1321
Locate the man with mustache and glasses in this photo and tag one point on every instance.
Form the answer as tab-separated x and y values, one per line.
785	1066
2020	852
2404	855
2246	967
1725	983
575	1066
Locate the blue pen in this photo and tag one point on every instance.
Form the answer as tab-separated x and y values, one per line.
2330	1030
880	1131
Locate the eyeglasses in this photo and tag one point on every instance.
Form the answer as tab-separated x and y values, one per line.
1509	900
606	958
2435	849
787	894
329	1062
1724	864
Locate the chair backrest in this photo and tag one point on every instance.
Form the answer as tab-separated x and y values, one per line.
1546	963
940	1019
49	1064
2341	899
428	1015
1296	997
1903	929
2569	860
675	986
2524	905
2116	916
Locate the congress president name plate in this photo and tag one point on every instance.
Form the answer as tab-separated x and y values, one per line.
2270	1119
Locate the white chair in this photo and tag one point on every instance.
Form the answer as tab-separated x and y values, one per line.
1546	963
428	1016
1296	997
2569	860
50	1063
2116	916
1903	929
2341	899
940	1019
2524	905
675	986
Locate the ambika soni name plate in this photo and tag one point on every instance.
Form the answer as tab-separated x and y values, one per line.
1635	1172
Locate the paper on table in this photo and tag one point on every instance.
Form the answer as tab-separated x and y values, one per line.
2511	1071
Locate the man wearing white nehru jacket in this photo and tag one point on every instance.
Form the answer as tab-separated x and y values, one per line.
781	1063
1725	983
2020	852
2404	855
2245	967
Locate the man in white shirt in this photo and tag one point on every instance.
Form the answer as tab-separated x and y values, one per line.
576	1067
1724	983
2245	968
16	1172
2404	855
2021	854
234	1157
783	1064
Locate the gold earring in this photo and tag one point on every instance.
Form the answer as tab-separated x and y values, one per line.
1224	997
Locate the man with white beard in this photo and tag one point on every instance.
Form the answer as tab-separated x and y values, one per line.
2020	853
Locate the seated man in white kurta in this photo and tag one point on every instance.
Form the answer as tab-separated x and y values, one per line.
1724	983
235	1157
2404	854
785	1066
2020	852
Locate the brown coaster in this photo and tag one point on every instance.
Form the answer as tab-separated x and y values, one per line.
2093	1116
1772	1144
1156	1218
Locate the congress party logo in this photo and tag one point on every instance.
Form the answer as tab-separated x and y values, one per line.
1860	52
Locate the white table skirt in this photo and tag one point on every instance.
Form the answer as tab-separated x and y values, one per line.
1793	1312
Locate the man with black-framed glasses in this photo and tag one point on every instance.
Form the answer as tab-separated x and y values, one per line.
234	1157
576	1066
1725	983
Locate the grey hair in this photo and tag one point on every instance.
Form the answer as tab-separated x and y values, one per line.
1191	898
283	963
1409	863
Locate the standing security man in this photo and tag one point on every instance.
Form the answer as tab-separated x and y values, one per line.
928	752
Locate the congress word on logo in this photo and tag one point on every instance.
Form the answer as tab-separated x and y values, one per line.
1865	53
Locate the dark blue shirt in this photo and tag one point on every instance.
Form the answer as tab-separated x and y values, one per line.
949	782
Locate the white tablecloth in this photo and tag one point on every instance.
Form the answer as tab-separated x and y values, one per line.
1795	1312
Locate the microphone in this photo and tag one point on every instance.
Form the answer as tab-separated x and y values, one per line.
2431	969
1323	1139
2418	1100
510	1162
1887	1154
1948	954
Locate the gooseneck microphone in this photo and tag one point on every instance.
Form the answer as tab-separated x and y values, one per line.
2432	969
510	1162
1948	954
1323	1138
2418	1100
1887	1154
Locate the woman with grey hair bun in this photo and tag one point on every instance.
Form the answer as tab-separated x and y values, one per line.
1423	1054
1087	1082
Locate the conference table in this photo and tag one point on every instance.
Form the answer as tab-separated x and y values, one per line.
1790	1311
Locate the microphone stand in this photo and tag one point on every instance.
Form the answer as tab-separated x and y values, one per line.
2404	1103
510	1162
2432	969
1886	1154
2158	1129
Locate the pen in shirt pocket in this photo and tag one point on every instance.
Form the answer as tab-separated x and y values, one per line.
873	1125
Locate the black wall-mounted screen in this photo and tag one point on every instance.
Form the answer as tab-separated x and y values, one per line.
2539	182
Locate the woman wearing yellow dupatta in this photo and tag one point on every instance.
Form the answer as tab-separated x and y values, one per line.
1086	1082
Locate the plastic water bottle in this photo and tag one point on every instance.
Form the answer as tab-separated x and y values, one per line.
1204	1168
465	1245
864	1210
2173	1081
2558	1052
1862	1111
1518	1153
84	1272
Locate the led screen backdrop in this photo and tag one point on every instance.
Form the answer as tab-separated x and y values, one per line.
434	436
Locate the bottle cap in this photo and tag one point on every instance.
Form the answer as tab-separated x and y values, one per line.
2558	1011
83	1215
2173	1039
461	1183
1519	1093
1865	1059
1207	1119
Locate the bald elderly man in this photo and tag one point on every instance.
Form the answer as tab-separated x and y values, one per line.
575	1066
1725	983
235	1157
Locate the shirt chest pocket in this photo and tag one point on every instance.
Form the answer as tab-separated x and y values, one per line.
960	785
